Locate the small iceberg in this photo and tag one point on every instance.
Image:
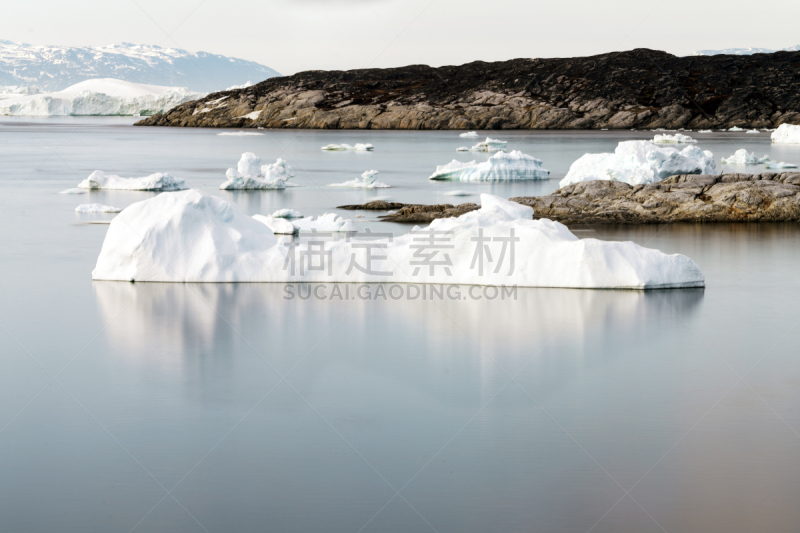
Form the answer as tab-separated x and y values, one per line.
287	213
678	138
640	162
167	238
73	191
154	182
462	149
489	145
97	208
752	131
367	181
779	166
469	135
742	157
344	147
705	131
786	134
736	128
501	166
239	134
250	174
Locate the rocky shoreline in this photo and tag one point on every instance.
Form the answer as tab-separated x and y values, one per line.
634	89
767	197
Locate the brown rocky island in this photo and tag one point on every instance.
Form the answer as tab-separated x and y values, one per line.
634	89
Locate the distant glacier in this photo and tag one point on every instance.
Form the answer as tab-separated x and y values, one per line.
53	68
744	51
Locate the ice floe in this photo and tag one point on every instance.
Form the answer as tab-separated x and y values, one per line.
779	165
678	138
344	147
462	149
170	238
742	157
638	162
97	208
287	213
469	135
752	131
367	181
159	181
705	131
786	134
239	134
250	174
736	128
502	166
73	191
489	145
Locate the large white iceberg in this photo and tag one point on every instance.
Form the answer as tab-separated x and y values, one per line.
97	208
639	162
678	138
104	96
367	181
501	166
359	147
742	157
159	181
786	134
171	238
250	174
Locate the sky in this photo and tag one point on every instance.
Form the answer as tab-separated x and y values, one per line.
296	35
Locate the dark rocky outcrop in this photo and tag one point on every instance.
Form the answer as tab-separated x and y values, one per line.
415	213
634	89
768	197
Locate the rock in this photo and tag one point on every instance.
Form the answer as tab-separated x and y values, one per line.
634	89
375	205
414	213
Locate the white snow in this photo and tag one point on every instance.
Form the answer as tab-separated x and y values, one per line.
244	85
678	138
736	128
107	96
344	147
786	134
778	166
287	213
638	162
489	145
744	51
169	238
501	166
154	182
250	174
252	116
742	157
240	134
469	135
367	181
96	208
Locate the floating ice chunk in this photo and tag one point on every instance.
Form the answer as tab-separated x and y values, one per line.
638	162
279	226
287	213
786	134
344	147
678	138
250	174
736	128
742	157
329	222
73	191
462	149
459	193
469	135
704	131
239	133
367	181
776	166
154	182
489	145
174	230
752	131
96	208
501	166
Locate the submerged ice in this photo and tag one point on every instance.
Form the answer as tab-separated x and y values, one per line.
501	166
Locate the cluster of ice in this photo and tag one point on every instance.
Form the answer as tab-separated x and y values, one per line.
501	166
239	134
367	181
250	174
639	162
489	145
96	208
344	147
159	181
736	128
105	96
168	238
786	134
678	138
469	135
287	213
742	157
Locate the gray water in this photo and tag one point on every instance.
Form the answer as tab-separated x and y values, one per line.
161	407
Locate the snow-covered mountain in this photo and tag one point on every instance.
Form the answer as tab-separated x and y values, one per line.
53	68
744	51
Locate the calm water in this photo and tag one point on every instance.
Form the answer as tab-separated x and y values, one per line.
155	407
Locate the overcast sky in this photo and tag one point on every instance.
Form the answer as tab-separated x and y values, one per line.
295	35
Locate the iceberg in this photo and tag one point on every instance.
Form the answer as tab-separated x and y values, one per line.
489	145
105	96
73	191
742	157
678	138
154	182
736	128
462	149
502	166
367	181
469	135
752	131
705	131
170	238
287	213
786	134
344	147
640	162
96	208
250	174
778	166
